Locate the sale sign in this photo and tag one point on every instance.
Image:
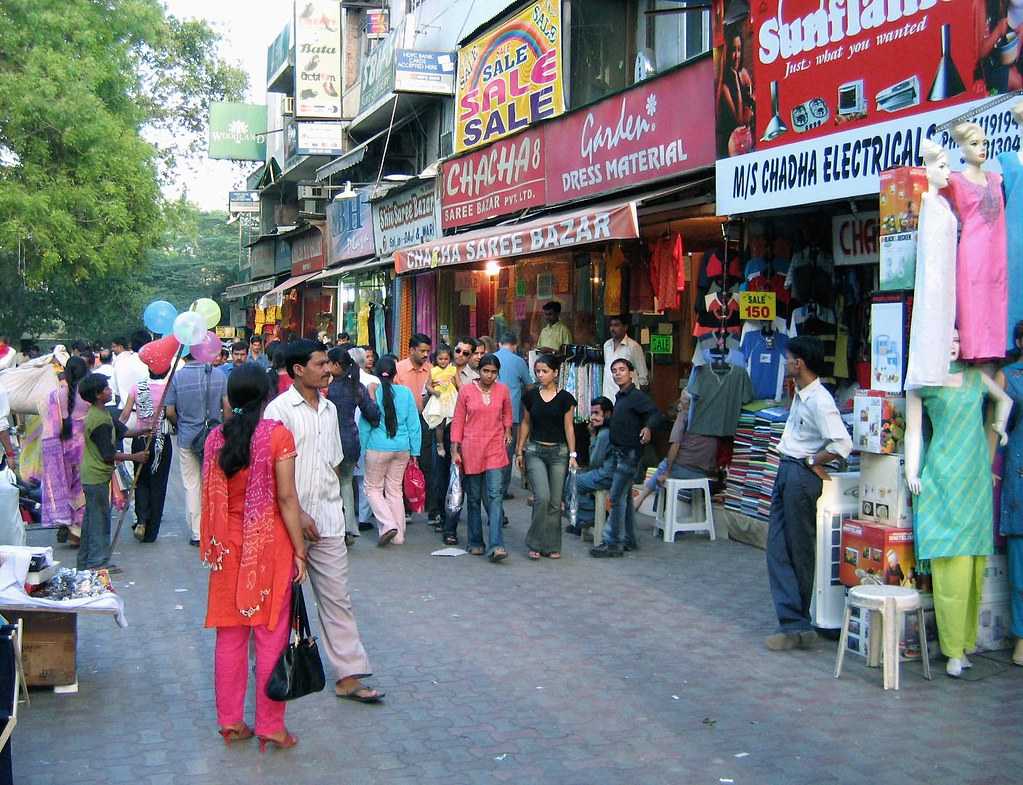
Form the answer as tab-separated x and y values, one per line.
510	77
508	175
759	306
633	138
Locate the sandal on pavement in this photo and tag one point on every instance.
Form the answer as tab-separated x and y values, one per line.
553	555
387	536
476	551
534	555
450	539
233	733
498	554
362	695
285	743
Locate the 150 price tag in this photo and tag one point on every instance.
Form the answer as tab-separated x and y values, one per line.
757	305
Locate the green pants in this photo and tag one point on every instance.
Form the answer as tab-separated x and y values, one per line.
957	585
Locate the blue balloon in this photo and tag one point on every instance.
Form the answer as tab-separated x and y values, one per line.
159	317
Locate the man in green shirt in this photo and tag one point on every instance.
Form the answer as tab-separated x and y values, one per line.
102	435
555	334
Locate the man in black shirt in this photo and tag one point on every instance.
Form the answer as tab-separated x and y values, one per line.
635	416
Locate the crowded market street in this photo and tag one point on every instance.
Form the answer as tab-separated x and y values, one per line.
636	671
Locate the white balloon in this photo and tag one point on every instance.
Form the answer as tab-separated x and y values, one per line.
189	328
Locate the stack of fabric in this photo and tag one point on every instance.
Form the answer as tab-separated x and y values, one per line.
755	460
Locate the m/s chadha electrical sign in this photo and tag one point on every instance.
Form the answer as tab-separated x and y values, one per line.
510	77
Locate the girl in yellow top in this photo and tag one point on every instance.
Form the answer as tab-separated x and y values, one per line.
443	393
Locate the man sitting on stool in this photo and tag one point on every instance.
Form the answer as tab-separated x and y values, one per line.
598	475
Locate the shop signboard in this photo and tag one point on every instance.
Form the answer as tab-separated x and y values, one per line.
278	54
849	163
510	77
424	72
635	137
307	253
243	202
661	344
282	255
320	139
349	229
318	83
405	219
378	23
507	176
377	74
854	238
758	306
598	224
237	131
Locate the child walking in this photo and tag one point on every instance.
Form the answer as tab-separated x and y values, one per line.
440	409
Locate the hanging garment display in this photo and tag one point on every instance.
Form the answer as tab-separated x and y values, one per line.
1012	172
362	325
720	310
641	293
981	285
764	353
614	266
667	270
379	331
719	393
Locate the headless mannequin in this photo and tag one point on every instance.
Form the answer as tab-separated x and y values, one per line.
1012	183
956	540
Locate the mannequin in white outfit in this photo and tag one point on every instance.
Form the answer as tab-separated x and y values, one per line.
934	306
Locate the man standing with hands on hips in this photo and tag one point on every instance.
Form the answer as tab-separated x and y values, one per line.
814	436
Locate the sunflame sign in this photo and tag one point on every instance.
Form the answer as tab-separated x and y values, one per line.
510	77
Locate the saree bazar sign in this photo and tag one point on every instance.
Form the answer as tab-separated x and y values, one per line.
405	219
633	138
508	175
551	233
510	77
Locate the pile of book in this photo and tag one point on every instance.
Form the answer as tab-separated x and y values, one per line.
755	460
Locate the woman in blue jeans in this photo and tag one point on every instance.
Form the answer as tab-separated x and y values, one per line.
480	435
545	452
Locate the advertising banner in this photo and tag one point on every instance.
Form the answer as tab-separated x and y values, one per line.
849	163
278	53
377	74
318	83
632	138
307	253
320	139
349	229
855	238
801	69
378	23
424	72
510	77
407	218
243	202
550	233
508	175
234	129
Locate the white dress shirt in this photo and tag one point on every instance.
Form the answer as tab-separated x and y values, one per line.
129	370
318	444
630	350
814	424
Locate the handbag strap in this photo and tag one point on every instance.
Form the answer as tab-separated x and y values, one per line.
299	615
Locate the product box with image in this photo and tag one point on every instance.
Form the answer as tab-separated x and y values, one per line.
994	625
884	493
877	549
890	314
879	422
863	622
901	190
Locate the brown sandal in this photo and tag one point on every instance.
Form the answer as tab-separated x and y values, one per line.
534	555
553	555
476	551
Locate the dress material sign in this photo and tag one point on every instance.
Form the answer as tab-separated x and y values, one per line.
636	137
510	77
318	84
596	225
507	176
349	229
404	219
849	163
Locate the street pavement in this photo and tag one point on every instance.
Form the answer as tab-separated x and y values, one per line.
645	670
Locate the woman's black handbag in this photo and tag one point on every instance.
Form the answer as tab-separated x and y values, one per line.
299	671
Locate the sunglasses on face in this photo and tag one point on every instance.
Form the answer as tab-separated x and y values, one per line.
463	351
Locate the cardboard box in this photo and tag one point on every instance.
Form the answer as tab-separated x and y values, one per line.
862	624
49	647
879	422
899	209
890	315
994	628
996	577
872	548
884	494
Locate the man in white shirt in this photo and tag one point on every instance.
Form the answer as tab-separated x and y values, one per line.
129	370
814	436
621	347
312	420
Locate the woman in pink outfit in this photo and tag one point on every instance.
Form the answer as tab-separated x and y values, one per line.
480	436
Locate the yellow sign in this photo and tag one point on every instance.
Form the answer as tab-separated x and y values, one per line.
510	77
757	305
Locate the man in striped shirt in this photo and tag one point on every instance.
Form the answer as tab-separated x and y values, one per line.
312	420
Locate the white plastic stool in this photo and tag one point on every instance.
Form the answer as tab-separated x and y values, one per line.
599	515
891	602
670	508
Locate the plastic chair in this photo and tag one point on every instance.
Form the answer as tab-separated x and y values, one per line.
670	509
891	602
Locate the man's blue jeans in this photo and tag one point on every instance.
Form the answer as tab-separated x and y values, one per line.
622	463
474	495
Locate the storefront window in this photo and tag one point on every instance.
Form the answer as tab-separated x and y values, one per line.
615	44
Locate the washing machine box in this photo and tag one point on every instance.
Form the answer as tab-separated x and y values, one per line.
877	549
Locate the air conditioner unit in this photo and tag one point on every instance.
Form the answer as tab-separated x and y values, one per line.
313	206
313	192
288	106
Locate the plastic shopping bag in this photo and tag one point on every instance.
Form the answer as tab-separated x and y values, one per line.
573	499
414	485
454	498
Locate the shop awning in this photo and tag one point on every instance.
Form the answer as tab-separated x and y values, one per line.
278	291
598	223
360	267
239	290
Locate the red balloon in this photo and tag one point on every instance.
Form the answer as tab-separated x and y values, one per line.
159	355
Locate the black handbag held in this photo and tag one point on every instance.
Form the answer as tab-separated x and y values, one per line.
299	671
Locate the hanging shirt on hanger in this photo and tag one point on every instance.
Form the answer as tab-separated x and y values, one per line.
667	270
641	293
613	280
765	362
720	395
720	311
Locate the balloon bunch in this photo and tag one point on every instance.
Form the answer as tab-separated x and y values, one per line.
191	328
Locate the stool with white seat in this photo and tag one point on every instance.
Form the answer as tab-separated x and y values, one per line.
670	509
891	602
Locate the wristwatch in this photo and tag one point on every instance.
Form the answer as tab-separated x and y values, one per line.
573	455
810	462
